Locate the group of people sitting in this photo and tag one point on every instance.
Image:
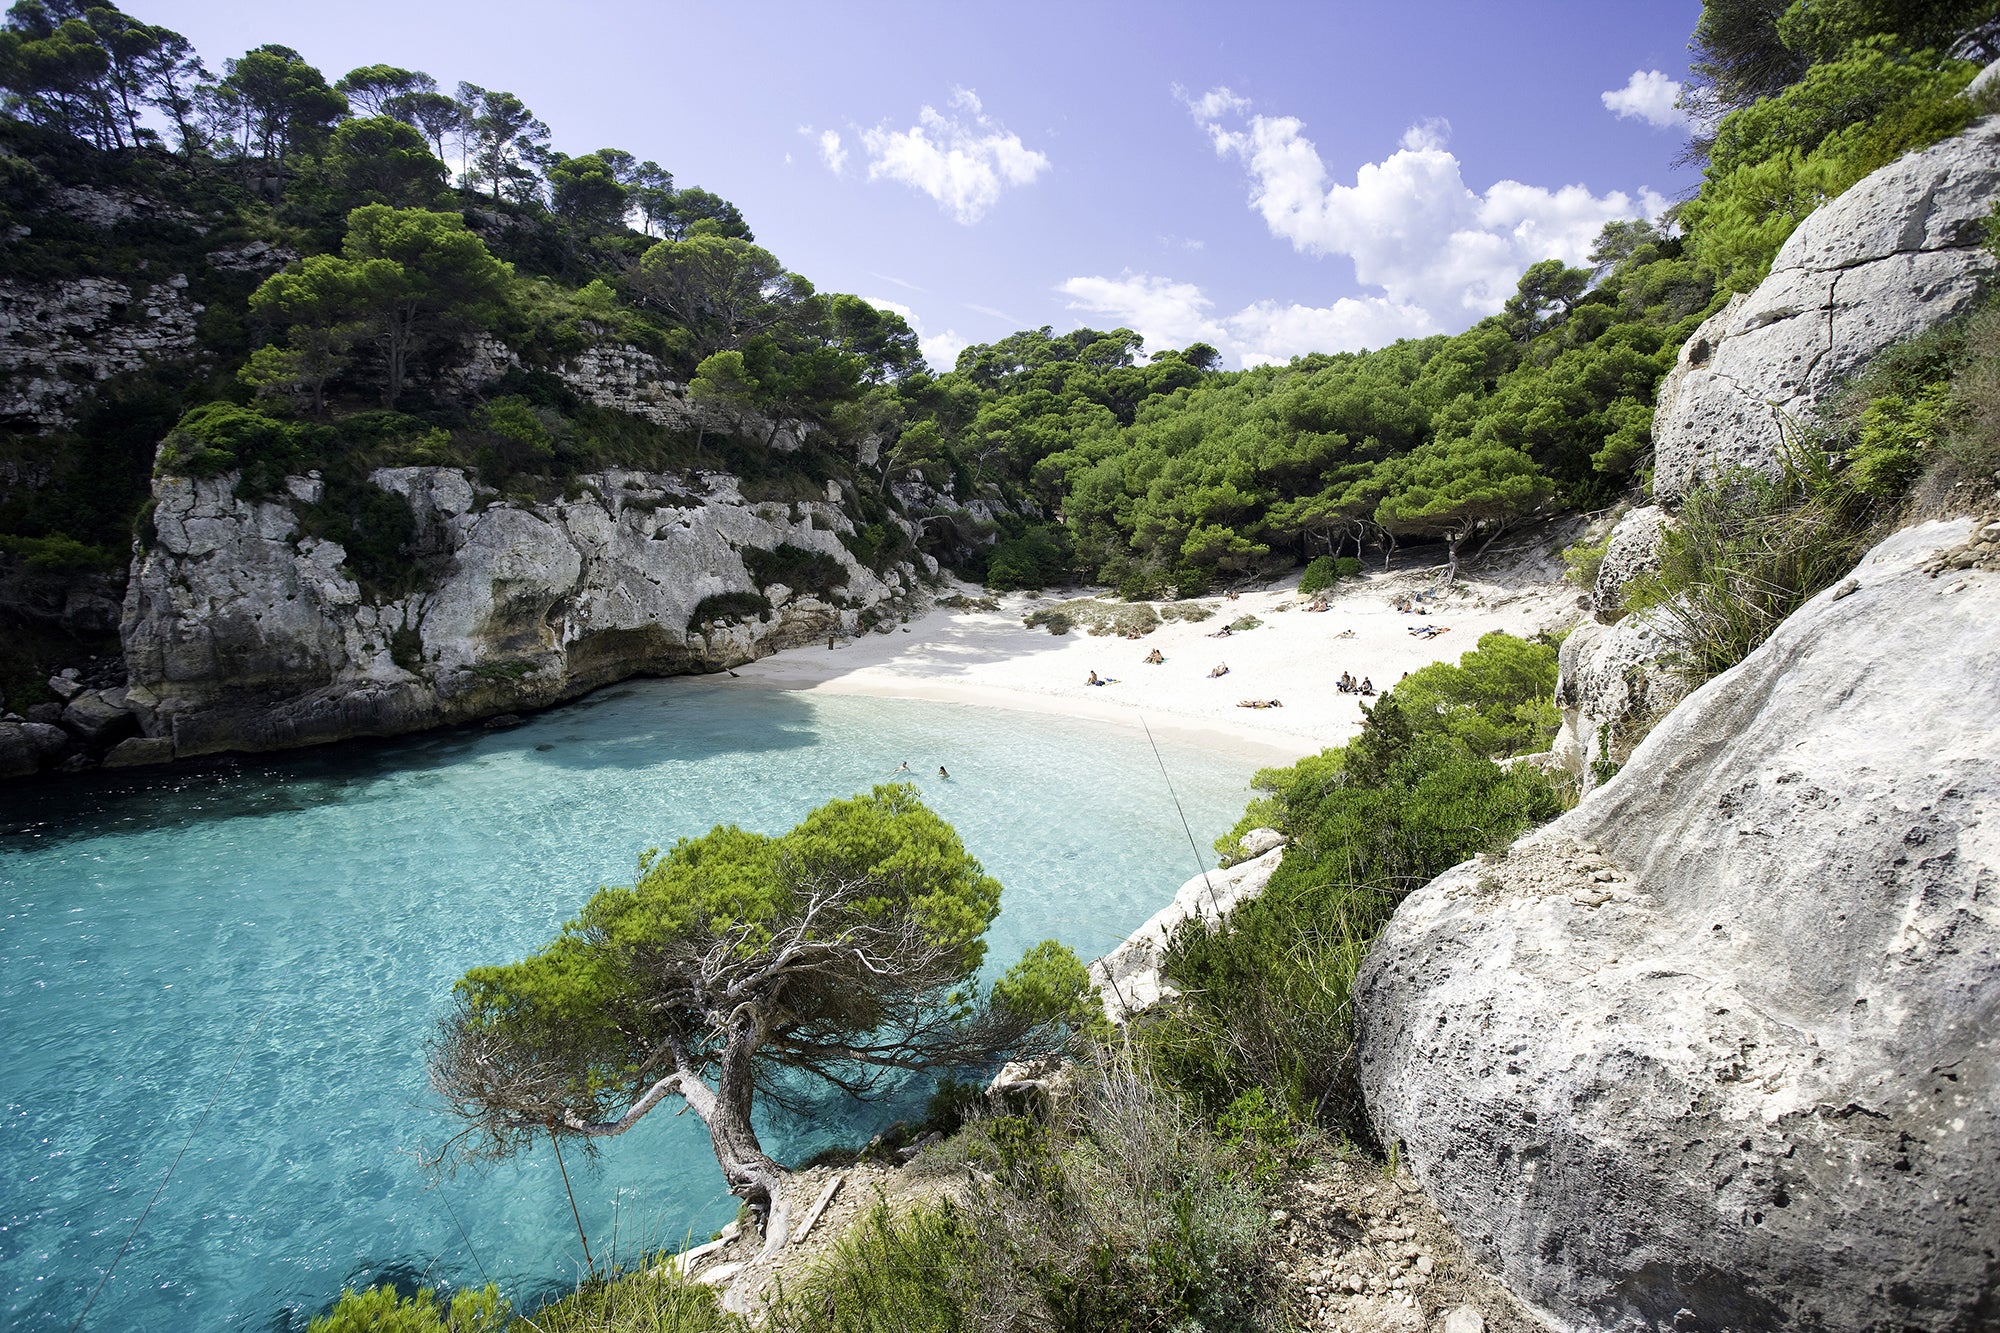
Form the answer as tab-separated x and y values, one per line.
1349	685
1153	658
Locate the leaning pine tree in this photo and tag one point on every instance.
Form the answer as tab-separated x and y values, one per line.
844	950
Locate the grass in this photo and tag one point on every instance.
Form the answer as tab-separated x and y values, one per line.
1748	550
1118	1208
1095	616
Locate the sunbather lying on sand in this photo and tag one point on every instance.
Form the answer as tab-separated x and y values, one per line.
1219	669
1222	633
1260	703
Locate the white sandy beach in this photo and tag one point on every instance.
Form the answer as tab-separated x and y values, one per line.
1295	656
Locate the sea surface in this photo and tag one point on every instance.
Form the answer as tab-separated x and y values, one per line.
224	978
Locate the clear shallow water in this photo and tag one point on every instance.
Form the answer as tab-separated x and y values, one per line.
280	936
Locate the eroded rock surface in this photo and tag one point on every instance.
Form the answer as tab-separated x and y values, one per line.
1899	252
1721	1047
1130	977
242	634
1613	683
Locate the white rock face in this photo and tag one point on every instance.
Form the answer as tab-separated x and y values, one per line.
59	338
241	635
1129	977
1633	549
1898	253
1720	1048
1613	683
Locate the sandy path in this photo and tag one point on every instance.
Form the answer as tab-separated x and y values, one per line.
1296	656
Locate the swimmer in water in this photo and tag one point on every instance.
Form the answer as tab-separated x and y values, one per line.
941	773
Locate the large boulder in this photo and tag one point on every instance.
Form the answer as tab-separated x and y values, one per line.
18	758
1896	254
1720	1048
99	718
1613	683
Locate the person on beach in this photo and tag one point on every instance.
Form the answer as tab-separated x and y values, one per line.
1367	686
1219	669
1154	657
1093	679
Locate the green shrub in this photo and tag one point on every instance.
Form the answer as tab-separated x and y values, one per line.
374	527
1055	619
1265	1000
382	1310
1141	585
795	567
876	545
1749	550
1320	575
654	1300
1972	438
1582	560
1035	559
1774	162
923	1270
60	554
222	437
1120	1211
729	606
1191	581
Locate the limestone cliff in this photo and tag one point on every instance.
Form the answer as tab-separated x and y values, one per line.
1898	253
1720	1049
1901	251
243	634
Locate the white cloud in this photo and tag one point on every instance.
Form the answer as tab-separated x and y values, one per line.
832	151
1267	331
940	349
1648	95
1173	314
992	313
963	162
1410	223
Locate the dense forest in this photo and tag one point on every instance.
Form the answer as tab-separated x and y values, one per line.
413	223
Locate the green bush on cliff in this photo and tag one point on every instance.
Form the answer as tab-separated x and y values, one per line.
1266	999
1778	159
384	1310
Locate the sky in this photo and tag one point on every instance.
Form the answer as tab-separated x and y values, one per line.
1272	179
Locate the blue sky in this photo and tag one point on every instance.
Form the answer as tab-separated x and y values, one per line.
1274	178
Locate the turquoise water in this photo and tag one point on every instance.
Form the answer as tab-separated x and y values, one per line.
270	942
